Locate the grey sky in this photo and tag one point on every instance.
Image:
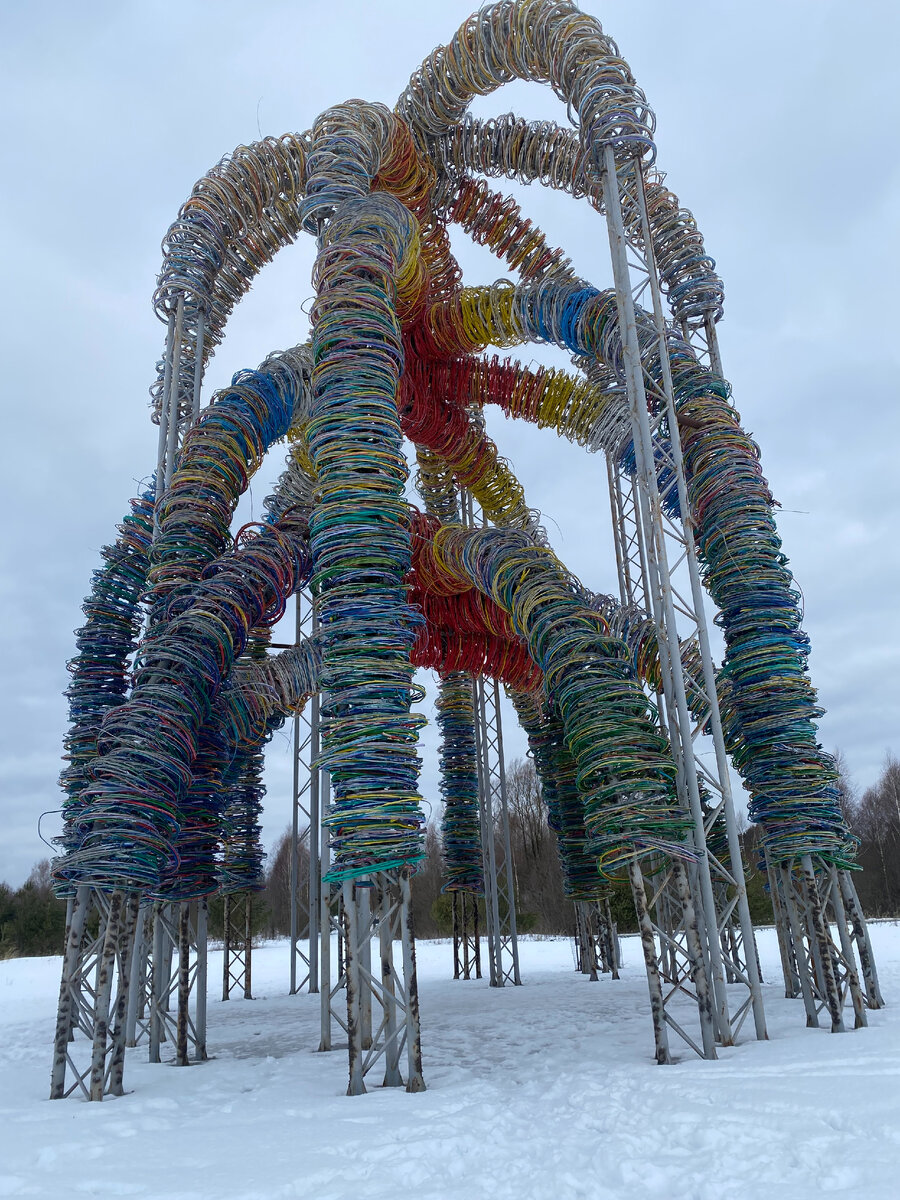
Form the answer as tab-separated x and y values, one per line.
776	127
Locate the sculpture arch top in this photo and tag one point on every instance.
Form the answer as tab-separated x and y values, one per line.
394	345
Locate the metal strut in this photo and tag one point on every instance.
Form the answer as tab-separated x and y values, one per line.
597	946
382	999
499	871
305	881
237	947
466	936
690	704
178	973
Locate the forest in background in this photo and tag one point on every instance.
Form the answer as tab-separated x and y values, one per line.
32	919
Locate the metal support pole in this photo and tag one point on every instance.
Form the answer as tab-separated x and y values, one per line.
364	909
138	971
201	981
184	983
198	369
874	998
822	942
356	1085
648	945
803	974
508	873
125	949
174	395
104	996
859	1008
709	674
415	1080
488	847
392	1076
79	906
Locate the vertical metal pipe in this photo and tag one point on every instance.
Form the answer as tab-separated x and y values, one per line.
295	820
476	936
325	929
650	503
454	897
614	938
355	1086
174	395
184	984
156	983
712	346
387	908
364	944
809	1001
164	416
618	528
104	996
201	980
227	902
248	945
783	931
695	950
198	369
509	866
78	908
823	940
489	854
648	945
138	959
874	998
859	1008
124	952
415	1081
709	674
315	874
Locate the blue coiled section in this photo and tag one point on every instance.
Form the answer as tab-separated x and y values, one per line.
144	819
105	643
460	823
558	773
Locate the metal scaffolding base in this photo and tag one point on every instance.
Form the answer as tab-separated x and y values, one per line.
466	939
93	995
597	949
496	849
382	1001
178	971
673	956
824	942
237	957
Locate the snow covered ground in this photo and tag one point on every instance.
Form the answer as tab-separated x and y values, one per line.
548	1091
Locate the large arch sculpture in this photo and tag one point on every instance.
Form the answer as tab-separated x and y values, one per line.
174	693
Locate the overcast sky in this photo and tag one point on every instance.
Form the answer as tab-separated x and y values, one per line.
777	127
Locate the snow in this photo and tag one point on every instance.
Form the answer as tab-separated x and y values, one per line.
548	1091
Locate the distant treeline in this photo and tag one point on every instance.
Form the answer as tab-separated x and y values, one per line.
32	920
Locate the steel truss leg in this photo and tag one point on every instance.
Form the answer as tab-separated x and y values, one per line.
305	881
812	898
93	997
860	937
180	926
237	957
466	942
379	906
499	870
651	532
673	957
